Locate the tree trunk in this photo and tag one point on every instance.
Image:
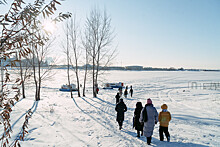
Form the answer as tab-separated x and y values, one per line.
35	80
39	81
77	79
93	78
68	74
69	83
85	76
68	59
22	79
84	83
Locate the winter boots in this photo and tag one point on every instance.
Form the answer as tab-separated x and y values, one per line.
120	127
138	134
168	139
149	140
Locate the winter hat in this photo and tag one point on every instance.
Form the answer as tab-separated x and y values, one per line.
164	106
121	100
149	101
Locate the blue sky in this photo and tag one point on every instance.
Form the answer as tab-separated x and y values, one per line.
160	33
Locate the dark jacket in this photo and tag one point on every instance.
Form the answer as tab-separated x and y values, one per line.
131	91
137	112
120	108
117	98
126	92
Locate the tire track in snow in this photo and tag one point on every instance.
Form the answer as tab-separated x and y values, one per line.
167	98
110	126
127	124
191	121
183	104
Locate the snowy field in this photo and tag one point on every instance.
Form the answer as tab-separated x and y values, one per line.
60	121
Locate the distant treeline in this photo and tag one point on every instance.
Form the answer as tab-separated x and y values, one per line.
136	68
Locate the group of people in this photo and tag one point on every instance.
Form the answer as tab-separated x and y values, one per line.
120	106
125	91
145	118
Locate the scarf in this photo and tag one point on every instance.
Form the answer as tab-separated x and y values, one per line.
164	110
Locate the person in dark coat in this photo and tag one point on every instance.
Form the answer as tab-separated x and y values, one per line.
137	125
117	97
149	116
131	91
126	92
121	108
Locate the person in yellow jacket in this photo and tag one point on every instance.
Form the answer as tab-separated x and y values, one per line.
164	119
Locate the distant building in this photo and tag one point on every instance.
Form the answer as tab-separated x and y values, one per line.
134	67
113	68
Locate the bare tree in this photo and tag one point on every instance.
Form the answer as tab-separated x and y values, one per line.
87	61
74	37
99	36
24	72
68	56
72	50
40	44
41	69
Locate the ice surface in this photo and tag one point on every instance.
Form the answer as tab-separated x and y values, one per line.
58	120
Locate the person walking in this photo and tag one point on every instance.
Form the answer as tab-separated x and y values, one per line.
164	119
137	125
120	108
149	116
120	91
126	92
117	97
131	91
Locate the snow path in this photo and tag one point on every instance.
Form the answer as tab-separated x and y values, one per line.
61	121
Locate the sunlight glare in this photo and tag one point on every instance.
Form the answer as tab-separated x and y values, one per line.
49	26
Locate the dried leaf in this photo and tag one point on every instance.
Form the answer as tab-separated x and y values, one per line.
57	2
53	6
43	14
22	1
50	10
48	13
12	102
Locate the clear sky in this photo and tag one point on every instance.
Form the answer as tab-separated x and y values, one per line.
160	33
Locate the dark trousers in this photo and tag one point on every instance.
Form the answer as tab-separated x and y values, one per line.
120	122
149	140
138	133
165	131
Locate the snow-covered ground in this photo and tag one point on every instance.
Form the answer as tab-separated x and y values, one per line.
58	120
